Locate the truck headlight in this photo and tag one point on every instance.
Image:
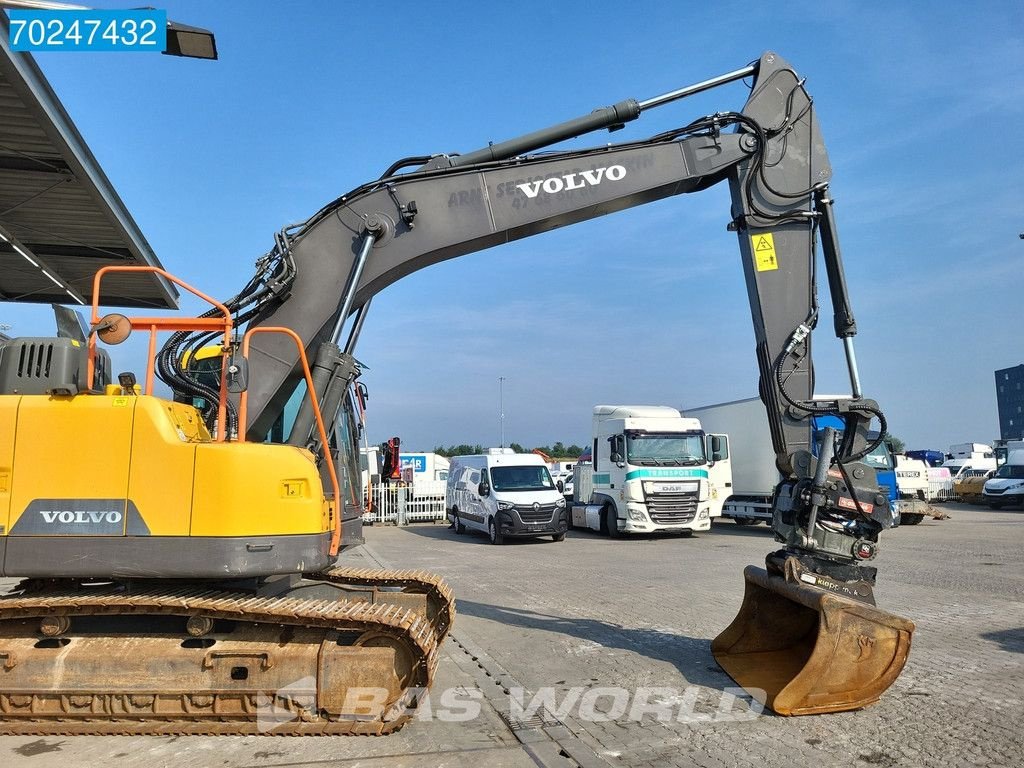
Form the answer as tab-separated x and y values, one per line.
636	514
703	515
560	504
506	505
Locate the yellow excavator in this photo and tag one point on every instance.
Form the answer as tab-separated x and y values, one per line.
178	554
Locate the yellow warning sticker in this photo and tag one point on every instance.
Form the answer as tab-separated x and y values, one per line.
764	251
120	402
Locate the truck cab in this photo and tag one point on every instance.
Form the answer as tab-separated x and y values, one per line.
651	470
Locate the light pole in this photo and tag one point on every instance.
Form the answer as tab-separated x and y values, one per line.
501	407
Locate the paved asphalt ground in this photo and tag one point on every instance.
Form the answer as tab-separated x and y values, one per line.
595	624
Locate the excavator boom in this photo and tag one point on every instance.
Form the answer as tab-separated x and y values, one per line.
829	509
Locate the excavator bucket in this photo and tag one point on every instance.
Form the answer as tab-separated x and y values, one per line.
800	650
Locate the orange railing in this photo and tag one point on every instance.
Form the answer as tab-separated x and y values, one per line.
154	324
243	412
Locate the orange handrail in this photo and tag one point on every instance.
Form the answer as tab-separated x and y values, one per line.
167	324
243	412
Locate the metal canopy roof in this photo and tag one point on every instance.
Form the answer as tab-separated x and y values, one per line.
60	218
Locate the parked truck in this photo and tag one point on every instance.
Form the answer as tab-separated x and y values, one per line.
651	469
919	485
1003	449
929	457
912	479
754	474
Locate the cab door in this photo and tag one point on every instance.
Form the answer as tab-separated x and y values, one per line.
475	517
719	473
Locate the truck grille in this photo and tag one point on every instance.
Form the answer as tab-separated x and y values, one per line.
672	508
528	514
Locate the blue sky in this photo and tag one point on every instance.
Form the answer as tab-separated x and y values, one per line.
920	104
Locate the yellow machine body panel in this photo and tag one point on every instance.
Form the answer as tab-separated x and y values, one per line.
255	489
69	450
115	485
162	468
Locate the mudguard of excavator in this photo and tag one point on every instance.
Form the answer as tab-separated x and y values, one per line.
800	650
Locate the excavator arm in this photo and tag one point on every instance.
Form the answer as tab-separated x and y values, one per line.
773	158
808	637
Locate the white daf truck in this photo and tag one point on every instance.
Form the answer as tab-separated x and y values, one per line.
651	470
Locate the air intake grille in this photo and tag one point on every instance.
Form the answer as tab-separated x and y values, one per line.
34	361
40	365
672	508
542	514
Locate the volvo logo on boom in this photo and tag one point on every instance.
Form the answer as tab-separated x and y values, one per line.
574	180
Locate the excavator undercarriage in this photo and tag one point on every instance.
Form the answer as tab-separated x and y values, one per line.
344	651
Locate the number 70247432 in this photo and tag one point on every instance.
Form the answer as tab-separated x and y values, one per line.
88	30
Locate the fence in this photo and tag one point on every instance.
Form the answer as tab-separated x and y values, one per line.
397	503
941	489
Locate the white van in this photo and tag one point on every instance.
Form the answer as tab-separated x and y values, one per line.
504	493
1006	486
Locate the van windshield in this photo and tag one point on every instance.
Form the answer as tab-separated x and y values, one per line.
1011	471
521	479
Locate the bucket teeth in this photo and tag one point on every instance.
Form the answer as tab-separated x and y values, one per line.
801	650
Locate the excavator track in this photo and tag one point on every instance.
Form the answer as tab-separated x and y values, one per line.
440	600
82	659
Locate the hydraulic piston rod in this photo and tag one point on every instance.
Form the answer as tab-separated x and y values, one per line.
606	117
704	85
353	283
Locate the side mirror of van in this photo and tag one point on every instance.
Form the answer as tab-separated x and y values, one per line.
483	489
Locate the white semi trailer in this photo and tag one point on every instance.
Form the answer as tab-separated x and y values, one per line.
754	475
651	470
